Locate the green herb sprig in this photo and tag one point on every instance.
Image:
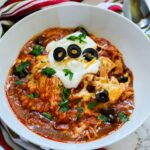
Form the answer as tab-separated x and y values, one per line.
80	38
102	117
47	115
68	73
64	102
48	71
80	110
18	82
91	105
37	50
123	117
33	95
22	69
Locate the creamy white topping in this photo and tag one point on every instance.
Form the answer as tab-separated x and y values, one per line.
79	67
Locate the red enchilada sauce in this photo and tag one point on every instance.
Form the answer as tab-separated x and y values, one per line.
42	103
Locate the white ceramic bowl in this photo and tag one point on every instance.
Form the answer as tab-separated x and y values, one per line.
125	35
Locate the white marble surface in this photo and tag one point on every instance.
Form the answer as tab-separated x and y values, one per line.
140	140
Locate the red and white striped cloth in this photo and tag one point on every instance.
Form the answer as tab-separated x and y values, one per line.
16	8
19	8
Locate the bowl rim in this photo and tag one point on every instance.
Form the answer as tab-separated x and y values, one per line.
61	145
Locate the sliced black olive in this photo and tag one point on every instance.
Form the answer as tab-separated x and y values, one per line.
110	114
81	29
59	54
90	88
90	53
112	118
99	48
102	96
123	79
74	51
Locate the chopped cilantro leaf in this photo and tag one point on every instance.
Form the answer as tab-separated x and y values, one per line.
91	105
18	82
21	69
64	102
78	116
102	117
123	117
66	92
80	110
64	108
37	50
48	71
80	38
68	73
47	115
22	65
33	95
72	38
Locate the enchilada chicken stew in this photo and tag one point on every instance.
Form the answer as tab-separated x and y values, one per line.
70	86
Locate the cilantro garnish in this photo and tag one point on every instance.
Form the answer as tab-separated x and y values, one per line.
64	108
102	117
66	92
68	73
18	82
47	115
48	71
37	50
33	95
80	38
123	117
21	69
91	105
80	110
78	116
64	100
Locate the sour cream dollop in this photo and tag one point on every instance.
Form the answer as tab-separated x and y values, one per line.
78	66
